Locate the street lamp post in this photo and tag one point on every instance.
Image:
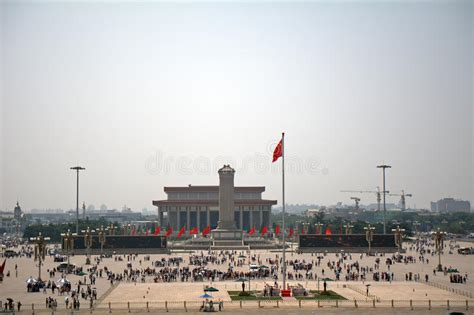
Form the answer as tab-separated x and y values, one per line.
439	243
319	228
88	240
369	236
68	245
40	251
77	169
348	228
102	238
398	232
305	227
383	167
112	229
417	224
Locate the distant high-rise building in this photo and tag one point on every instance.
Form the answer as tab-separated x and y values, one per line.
450	205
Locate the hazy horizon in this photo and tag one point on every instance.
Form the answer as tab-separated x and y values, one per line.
152	94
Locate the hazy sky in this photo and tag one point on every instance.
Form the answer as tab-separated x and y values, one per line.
151	94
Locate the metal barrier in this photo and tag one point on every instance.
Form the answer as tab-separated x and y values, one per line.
193	306
467	294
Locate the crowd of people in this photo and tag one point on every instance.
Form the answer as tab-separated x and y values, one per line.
214	266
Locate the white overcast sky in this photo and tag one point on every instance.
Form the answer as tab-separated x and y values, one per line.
151	94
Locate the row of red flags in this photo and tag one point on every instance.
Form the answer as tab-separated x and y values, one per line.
207	230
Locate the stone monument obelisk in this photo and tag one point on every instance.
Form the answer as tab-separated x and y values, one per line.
226	227
226	199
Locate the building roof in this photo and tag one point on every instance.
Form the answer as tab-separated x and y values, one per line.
192	188
237	202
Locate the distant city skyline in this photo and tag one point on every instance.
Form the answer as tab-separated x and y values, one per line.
152	94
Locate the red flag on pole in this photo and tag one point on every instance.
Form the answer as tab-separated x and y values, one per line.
264	231
277	153
292	232
134	232
302	231
193	231
252	231
181	231
206	230
277	230
328	231
157	231
169	231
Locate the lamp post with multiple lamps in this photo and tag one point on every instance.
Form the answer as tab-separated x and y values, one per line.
369	236
102	238
112	229
319	228
77	169
383	167
348	228
306	227
40	250
417	225
438	236
88	242
398	232
68	245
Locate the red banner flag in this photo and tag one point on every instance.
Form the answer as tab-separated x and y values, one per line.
277	153
169	231
277	230
264	231
302	231
206	230
134	232
252	231
157	231
328	231
292	232
193	231
2	267
181	231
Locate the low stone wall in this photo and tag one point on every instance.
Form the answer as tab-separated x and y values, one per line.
373	250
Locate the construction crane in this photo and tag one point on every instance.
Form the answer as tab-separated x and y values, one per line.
377	193
357	200
402	199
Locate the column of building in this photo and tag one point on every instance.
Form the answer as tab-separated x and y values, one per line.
208	216
198	217
241	217
188	218
178	221
251	217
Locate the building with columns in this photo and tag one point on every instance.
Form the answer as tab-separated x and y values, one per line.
198	206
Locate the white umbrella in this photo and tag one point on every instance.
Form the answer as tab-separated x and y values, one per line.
62	282
31	280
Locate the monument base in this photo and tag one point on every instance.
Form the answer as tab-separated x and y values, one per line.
227	234
228	240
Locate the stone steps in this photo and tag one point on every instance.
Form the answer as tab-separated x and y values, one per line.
230	247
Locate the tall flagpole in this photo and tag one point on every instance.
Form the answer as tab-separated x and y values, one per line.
283	200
